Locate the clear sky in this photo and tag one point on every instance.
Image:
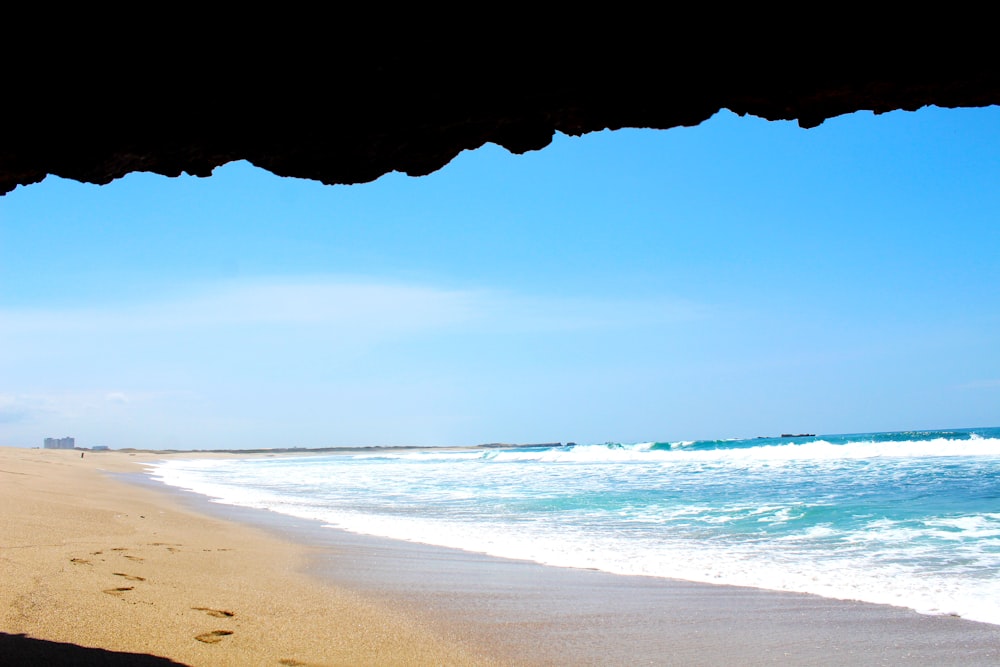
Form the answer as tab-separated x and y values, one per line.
736	279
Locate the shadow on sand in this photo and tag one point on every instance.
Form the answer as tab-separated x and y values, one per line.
22	650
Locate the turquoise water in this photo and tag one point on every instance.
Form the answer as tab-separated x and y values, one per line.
904	518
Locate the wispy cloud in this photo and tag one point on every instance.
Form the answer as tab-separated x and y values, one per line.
18	407
15	406
291	343
256	360
318	302
364	308
981	384
10	411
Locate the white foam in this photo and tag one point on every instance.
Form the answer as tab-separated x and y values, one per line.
771	454
878	561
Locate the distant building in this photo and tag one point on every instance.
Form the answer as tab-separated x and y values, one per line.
60	443
100	448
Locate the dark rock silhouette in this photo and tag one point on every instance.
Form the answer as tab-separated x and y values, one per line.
336	115
22	650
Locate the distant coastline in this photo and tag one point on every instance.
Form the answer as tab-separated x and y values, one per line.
338	450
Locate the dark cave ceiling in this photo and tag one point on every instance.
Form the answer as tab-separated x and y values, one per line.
414	114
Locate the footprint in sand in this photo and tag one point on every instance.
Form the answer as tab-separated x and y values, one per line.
213	637
137	559
130	577
218	613
289	662
79	561
118	591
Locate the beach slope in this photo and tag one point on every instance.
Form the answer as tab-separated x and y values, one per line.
94	570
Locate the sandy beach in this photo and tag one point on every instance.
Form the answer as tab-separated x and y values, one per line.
97	569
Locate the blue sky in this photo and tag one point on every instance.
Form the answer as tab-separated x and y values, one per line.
738	278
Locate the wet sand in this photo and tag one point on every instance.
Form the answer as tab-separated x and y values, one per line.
89	560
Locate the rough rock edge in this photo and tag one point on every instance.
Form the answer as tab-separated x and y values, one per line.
399	118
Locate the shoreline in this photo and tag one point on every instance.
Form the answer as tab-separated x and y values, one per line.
95	570
433	605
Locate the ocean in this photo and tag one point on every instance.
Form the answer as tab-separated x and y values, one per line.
910	518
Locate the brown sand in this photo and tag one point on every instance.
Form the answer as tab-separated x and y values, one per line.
90	562
87	560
